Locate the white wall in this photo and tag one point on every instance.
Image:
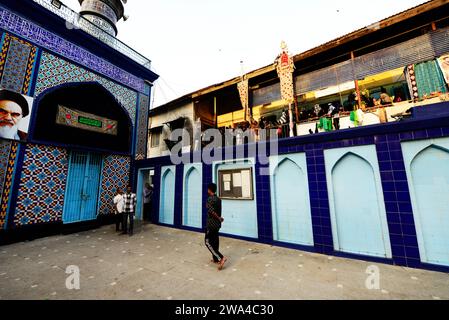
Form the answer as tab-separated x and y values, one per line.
185	110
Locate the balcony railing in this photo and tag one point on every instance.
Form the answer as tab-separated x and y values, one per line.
75	21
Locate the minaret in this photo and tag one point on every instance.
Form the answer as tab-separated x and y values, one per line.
103	13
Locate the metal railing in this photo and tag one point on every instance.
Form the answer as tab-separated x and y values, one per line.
76	21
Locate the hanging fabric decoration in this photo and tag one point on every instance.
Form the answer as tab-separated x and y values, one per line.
243	88
285	68
411	81
443	61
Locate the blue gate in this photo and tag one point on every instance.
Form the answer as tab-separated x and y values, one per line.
83	185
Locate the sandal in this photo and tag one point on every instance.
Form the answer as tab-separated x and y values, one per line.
222	263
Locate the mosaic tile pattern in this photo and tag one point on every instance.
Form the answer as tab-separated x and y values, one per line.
17	64
8	158
54	71
142	128
42	186
115	175
126	97
50	41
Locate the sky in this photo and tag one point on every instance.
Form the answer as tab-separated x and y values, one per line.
196	43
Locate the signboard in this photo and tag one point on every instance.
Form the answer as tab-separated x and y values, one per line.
85	121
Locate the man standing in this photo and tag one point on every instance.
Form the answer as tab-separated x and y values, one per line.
147	198
13	108
119	206
214	221
129	211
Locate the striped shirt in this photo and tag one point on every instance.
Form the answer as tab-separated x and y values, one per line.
130	202
213	205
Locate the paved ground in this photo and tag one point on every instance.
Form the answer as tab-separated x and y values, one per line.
162	263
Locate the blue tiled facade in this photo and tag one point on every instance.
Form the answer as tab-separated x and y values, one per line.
387	140
39	54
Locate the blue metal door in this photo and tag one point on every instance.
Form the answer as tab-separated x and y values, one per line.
83	185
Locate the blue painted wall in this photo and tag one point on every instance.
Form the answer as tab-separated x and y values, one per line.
388	164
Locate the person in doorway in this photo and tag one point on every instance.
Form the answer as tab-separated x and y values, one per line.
214	221
129	211
119	206
334	112
385	99
147	199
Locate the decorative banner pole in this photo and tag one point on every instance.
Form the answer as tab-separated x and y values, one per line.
285	68
243	87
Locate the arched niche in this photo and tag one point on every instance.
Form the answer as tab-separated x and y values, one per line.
86	97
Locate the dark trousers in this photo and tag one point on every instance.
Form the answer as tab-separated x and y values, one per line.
212	241
129	229
337	123
147	211
118	221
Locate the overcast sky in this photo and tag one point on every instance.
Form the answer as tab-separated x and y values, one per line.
197	43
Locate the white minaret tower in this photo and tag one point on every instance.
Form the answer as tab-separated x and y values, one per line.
104	13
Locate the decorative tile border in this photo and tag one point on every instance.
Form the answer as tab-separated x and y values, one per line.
17	63
142	128
50	41
8	152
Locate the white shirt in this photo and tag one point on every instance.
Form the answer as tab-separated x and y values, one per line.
119	203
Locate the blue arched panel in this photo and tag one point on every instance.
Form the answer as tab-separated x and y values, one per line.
193	191
358	215
167	202
292	220
427	165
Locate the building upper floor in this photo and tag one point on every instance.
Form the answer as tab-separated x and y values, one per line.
371	76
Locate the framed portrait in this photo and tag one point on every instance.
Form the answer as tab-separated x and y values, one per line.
15	114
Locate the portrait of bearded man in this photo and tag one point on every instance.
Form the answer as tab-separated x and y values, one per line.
13	108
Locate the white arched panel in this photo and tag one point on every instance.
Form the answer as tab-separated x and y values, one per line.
291	214
427	166
193	195
358	215
167	201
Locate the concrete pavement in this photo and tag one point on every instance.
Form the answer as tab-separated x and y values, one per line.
162	263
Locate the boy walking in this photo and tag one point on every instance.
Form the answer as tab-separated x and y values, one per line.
119	205
129	211
214	221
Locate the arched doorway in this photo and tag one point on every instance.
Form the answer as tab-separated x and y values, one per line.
87	120
94	119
